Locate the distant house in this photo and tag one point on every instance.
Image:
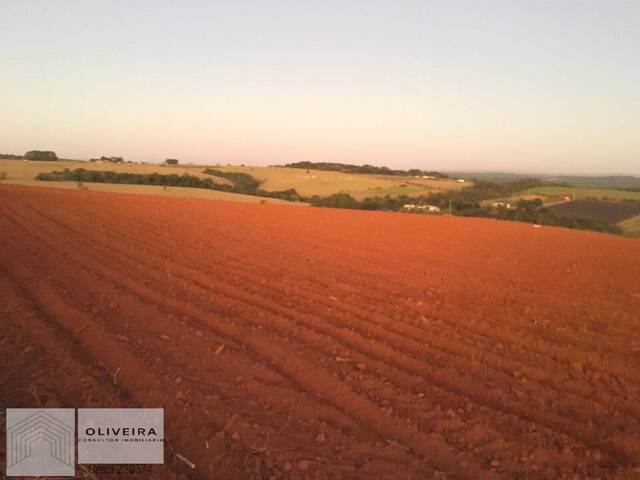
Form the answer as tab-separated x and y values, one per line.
104	159
460	180
412	207
429	177
501	205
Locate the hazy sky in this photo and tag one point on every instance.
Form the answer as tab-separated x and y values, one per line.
511	85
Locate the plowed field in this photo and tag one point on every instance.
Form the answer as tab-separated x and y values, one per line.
288	342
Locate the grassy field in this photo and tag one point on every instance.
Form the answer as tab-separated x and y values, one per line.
19	172
581	181
578	193
631	226
322	183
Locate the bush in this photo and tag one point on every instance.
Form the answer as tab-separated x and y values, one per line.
243	182
337	200
41	155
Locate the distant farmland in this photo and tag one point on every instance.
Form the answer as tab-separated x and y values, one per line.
611	212
631	226
577	193
322	183
19	172
26	170
305	182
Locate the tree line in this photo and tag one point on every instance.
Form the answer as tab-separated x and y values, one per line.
35	155
370	169
243	185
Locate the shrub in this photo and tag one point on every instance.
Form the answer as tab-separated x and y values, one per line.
41	155
243	182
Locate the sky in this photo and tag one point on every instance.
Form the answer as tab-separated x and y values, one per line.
527	86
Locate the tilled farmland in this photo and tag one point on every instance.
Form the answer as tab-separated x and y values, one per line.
297	342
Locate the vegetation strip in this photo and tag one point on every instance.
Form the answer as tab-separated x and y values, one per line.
465	202
243	185
367	169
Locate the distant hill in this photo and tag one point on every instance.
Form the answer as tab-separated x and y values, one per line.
370	169
491	176
589	181
612	181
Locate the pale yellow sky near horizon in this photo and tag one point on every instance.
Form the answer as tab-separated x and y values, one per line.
544	87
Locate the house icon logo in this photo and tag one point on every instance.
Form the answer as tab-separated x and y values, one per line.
40	442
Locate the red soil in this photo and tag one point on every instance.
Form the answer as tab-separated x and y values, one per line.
356	344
